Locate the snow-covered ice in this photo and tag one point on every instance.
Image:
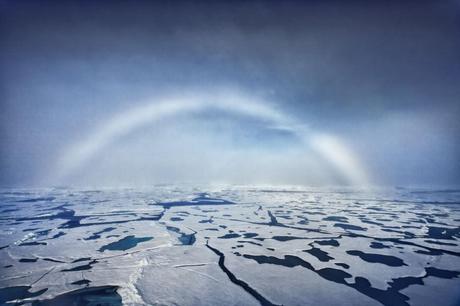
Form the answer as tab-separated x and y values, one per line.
182	245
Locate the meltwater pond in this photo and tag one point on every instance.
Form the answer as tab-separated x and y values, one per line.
179	245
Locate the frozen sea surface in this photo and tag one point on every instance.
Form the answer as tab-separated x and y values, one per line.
229	246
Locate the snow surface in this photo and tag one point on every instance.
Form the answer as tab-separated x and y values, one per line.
179	245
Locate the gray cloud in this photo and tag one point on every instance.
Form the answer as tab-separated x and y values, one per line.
382	75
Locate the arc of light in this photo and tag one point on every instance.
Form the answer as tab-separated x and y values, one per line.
329	147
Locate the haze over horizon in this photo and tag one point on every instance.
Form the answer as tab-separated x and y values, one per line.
262	92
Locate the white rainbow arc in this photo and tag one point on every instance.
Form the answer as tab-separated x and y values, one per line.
334	151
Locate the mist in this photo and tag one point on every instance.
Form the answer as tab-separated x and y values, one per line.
376	82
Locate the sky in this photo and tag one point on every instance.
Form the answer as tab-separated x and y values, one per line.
129	93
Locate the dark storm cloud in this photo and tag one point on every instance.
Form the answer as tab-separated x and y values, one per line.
365	70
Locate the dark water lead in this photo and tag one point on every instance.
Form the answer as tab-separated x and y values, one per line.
32	243
320	254
343	265
350	227
124	244
28	259
52	260
286	238
18	292
202	199
331	242
250	235
440	243
262	300
81	282
443	233
41	199
84	267
336	219
388	260
378	245
97	235
230	236
89	296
